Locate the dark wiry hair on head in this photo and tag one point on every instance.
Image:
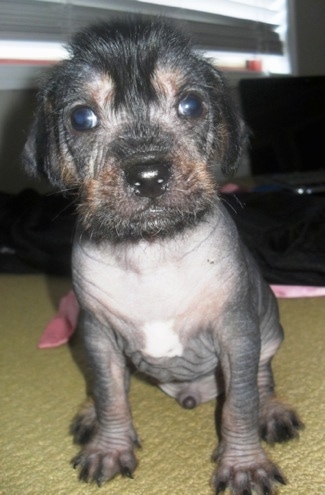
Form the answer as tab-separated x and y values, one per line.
128	50
112	38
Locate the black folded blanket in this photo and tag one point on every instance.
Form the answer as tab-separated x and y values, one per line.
284	231
36	233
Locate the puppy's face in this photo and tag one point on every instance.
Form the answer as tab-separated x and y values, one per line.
136	122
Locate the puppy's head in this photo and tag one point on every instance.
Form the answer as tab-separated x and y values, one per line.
136	122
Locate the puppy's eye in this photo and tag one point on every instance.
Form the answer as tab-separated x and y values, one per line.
83	119
190	106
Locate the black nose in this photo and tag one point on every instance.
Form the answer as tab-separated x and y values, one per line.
148	180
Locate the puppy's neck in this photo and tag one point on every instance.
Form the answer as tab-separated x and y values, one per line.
147	254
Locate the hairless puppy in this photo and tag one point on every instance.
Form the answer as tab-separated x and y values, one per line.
136	123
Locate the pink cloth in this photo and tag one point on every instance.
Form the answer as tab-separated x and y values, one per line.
59	330
230	188
292	291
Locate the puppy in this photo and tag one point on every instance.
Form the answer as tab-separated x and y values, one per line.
137	123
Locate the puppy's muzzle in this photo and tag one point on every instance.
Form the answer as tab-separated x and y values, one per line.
149	180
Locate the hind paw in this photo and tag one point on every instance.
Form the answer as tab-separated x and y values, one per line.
279	423
84	425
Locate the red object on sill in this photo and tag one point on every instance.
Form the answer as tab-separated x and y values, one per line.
254	65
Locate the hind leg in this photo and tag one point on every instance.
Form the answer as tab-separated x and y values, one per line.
278	422
84	425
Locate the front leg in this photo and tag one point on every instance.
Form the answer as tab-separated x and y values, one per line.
110	449
243	466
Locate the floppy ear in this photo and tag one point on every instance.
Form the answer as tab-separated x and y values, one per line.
44	154
33	154
234	140
39	153
229	126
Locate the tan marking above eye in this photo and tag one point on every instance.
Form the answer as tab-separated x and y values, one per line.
100	89
167	82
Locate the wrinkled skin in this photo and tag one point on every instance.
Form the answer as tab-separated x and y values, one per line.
137	123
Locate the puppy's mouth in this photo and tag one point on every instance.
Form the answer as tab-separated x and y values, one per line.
149	222
157	200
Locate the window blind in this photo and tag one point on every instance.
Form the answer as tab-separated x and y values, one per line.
245	26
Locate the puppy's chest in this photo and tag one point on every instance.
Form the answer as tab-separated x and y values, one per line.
157	313
161	311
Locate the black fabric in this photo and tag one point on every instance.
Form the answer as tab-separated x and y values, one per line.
284	231
36	233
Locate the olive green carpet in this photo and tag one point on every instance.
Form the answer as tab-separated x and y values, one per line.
41	389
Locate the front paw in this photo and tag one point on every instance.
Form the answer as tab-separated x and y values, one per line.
100	464
244	477
279	423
